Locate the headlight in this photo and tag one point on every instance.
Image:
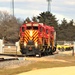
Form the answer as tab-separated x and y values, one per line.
31	33
36	44
25	44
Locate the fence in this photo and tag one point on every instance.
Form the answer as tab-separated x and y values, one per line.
67	47
65	42
9	48
14	48
1	46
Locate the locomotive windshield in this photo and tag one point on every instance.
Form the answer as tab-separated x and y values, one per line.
32	27
35	27
29	27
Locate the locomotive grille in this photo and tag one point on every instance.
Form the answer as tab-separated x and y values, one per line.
31	35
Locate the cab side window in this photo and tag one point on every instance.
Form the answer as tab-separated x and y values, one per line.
23	29
52	32
41	29
47	31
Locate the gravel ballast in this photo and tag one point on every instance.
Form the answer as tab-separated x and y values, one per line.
14	63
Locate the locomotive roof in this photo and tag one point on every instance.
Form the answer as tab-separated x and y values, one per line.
38	24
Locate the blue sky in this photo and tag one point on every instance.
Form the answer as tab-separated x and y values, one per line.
29	8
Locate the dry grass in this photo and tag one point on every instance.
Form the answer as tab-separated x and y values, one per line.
40	64
66	57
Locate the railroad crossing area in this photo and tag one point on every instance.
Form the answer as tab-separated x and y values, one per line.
14	49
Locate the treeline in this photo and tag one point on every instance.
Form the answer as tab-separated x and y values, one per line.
9	26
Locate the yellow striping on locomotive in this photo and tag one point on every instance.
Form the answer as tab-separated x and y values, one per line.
31	35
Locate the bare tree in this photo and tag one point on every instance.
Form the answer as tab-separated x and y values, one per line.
9	27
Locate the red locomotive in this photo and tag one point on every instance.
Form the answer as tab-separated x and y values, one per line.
37	39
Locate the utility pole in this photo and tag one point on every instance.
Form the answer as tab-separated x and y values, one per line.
13	8
49	5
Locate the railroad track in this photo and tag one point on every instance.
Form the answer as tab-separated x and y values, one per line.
14	55
7	59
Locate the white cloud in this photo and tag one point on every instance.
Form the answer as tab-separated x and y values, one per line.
60	17
18	11
70	2
21	1
5	9
27	13
13	0
5	0
34	0
31	13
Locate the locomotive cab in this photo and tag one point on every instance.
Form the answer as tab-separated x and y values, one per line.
30	39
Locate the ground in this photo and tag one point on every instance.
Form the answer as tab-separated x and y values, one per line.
52	71
59	63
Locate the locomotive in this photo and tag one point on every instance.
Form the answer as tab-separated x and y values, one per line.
37	39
